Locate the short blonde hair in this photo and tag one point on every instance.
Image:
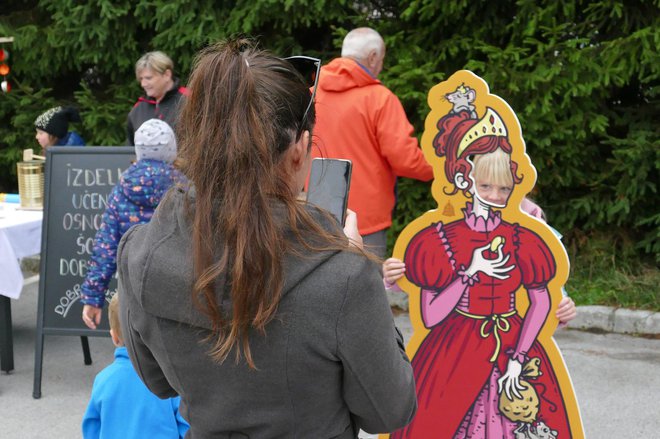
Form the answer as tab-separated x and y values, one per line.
493	167
156	61
113	316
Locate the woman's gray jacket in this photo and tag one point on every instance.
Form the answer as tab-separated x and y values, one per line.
331	361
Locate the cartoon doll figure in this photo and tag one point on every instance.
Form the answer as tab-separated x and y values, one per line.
481	372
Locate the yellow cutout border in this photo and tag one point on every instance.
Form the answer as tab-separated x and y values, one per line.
449	210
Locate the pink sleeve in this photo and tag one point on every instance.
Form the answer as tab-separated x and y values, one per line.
430	264
539	307
392	286
531	208
436	306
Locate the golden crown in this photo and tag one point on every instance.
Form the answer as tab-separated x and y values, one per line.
489	125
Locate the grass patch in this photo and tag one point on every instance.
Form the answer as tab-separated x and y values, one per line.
606	270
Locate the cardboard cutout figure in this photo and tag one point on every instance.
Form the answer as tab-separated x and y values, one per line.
483	280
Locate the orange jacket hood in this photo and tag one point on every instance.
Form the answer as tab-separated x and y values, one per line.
341	75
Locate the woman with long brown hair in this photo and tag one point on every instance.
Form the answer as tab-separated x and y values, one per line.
247	302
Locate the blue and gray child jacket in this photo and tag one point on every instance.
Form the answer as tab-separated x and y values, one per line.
132	201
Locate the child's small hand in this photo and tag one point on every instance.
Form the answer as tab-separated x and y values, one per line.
393	270
566	311
91	316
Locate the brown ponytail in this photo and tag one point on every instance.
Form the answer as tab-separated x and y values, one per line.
243	112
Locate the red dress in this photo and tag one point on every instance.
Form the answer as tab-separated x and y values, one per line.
460	359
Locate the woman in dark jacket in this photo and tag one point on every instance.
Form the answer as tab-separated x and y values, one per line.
251	305
162	93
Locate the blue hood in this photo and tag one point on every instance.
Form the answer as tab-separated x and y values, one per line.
71	139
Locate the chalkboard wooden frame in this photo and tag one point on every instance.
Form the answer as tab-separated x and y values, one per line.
119	158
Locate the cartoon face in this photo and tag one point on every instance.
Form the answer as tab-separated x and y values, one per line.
461	99
544	432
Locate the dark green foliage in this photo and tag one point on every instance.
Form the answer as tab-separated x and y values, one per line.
582	77
583	80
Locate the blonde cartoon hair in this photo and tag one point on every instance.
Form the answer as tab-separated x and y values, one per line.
493	167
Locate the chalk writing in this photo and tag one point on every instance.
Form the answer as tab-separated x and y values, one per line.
78	183
77	177
89	200
82	221
73	267
85	245
72	296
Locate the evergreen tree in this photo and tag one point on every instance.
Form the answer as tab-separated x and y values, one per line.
581	76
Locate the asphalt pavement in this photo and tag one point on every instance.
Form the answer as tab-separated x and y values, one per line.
616	379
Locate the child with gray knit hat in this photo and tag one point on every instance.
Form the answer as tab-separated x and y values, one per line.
132	201
53	128
155	140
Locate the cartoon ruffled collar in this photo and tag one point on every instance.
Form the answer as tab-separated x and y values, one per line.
479	224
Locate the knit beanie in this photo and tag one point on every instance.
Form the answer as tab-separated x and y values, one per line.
56	120
155	140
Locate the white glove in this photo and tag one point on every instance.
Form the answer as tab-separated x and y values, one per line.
491	267
510	380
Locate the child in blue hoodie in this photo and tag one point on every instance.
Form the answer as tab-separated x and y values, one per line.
52	128
121	406
132	201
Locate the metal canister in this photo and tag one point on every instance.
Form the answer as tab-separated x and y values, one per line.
31	184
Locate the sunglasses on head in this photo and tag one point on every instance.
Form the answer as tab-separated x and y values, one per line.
310	69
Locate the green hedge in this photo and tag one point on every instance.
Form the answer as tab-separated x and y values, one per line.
582	77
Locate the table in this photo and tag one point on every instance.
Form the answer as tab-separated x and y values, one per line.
20	236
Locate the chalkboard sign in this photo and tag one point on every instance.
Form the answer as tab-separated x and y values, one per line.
77	184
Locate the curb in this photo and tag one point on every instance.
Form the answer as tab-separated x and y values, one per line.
618	320
591	317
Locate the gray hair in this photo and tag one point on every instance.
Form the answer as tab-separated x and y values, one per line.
156	61
359	42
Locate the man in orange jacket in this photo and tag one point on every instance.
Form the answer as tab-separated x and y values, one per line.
359	119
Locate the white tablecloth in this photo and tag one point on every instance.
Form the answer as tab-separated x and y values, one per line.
20	236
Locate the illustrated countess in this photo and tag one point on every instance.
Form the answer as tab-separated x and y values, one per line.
481	371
